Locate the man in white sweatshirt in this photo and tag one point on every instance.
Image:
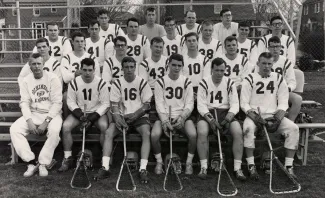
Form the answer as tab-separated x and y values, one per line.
41	103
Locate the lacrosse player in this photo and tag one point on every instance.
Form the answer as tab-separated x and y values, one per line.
92	91
175	90
219	93
41	103
50	64
190	24
151	29
172	40
130	101
246	47
59	45
226	27
268	91
108	30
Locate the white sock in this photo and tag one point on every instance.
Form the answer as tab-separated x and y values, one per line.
105	162
189	158
143	164
250	160
158	157
204	163
67	154
288	161
237	165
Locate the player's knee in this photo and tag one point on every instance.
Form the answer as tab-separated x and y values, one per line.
66	128
13	129
155	134
202	129
145	133
236	130
102	126
296	99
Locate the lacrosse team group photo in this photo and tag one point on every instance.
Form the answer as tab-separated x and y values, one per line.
155	98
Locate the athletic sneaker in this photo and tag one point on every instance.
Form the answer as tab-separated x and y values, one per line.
102	174
144	176
43	171
188	169
290	171
159	168
253	174
203	174
66	164
240	175
31	169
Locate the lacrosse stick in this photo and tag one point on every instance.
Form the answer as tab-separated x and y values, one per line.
228	187
80	179
173	163
125	165
281	182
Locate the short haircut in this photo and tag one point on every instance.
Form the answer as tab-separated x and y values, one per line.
92	23
188	12
169	18
230	38
132	19
34	56
206	23
88	62
217	62
102	11
42	40
274	39
119	38
266	55
244	24
191	34
51	23
224	11
157	39
177	57
77	34
275	18
150	9
128	59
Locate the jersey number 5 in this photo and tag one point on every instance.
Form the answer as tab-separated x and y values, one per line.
260	86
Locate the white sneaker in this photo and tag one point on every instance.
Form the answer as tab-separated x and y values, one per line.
31	169
43	171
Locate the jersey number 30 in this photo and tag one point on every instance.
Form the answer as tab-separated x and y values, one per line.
177	93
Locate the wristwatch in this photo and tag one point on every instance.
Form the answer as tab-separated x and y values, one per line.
47	120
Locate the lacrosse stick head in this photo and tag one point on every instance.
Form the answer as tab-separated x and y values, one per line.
87	158
177	165
132	159
215	160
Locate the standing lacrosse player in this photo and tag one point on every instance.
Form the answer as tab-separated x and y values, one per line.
268	91
90	90
218	92
175	90
172	40
108	30
130	101
41	103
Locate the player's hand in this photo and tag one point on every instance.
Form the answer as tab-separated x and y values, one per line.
31	126
257	119
228	119
120	122
167	128
272	124
215	126
83	118
41	129
129	118
179	123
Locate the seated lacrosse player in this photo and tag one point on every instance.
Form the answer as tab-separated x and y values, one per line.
40	103
218	93
89	90
268	91
130	98
175	90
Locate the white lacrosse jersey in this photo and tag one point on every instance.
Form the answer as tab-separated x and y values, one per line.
211	50
182	29
196	68
287	44
172	46
175	93
112	70
51	65
59	48
270	93
95	95
102	49
151	71
138	49
132	95
42	95
71	63
237	69
249	49
223	96
112	32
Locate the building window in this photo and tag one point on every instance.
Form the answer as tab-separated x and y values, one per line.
14	11
306	10
36	11
11	32
38	32
217	8
53	10
316	7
